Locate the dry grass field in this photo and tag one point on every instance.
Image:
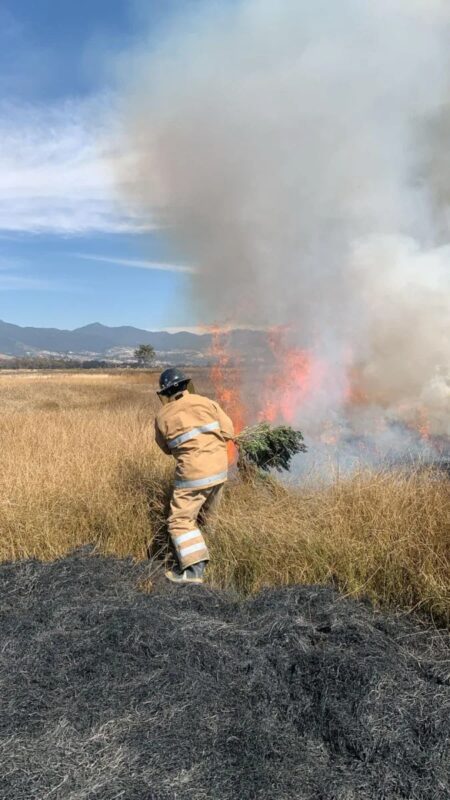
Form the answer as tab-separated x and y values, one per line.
78	465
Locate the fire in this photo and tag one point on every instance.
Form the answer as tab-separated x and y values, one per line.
295	377
273	392
284	383
226	378
423	425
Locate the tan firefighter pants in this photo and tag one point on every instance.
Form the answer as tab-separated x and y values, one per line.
185	507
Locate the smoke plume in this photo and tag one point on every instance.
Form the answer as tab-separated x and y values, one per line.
298	153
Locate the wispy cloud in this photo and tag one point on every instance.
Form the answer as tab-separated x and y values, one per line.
136	263
56	171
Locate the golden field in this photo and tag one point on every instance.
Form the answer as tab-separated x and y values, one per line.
78	465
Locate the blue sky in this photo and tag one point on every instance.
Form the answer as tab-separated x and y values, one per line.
70	251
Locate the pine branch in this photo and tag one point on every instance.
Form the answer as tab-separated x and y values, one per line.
266	448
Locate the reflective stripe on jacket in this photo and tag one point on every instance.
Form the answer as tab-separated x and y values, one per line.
195	430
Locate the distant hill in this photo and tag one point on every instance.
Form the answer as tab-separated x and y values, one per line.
101	340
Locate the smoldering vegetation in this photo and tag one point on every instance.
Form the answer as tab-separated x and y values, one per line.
111	692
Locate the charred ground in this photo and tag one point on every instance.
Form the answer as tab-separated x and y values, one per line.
110	692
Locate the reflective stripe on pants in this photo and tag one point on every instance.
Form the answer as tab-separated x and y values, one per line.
185	508
202	483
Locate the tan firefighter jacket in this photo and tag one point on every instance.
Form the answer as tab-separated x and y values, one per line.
195	430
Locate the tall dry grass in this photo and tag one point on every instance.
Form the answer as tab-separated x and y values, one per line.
78	465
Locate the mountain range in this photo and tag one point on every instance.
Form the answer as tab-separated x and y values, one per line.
101	340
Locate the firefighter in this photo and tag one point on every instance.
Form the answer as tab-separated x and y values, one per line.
195	430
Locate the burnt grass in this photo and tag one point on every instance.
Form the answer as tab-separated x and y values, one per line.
108	692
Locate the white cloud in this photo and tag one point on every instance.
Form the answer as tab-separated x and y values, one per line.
137	263
56	171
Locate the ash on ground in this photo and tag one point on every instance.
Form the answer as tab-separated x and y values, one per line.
111	693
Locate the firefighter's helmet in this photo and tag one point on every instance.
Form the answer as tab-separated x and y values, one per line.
171	380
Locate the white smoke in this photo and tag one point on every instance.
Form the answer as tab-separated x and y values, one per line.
298	152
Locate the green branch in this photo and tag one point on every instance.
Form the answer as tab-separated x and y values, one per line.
268	448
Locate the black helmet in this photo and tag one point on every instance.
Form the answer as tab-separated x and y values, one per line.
172	378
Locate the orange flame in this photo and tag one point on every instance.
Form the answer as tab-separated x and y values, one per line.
226	378
296	376
225	375
423	425
279	386
275	394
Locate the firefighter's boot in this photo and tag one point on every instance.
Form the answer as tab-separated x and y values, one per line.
193	574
